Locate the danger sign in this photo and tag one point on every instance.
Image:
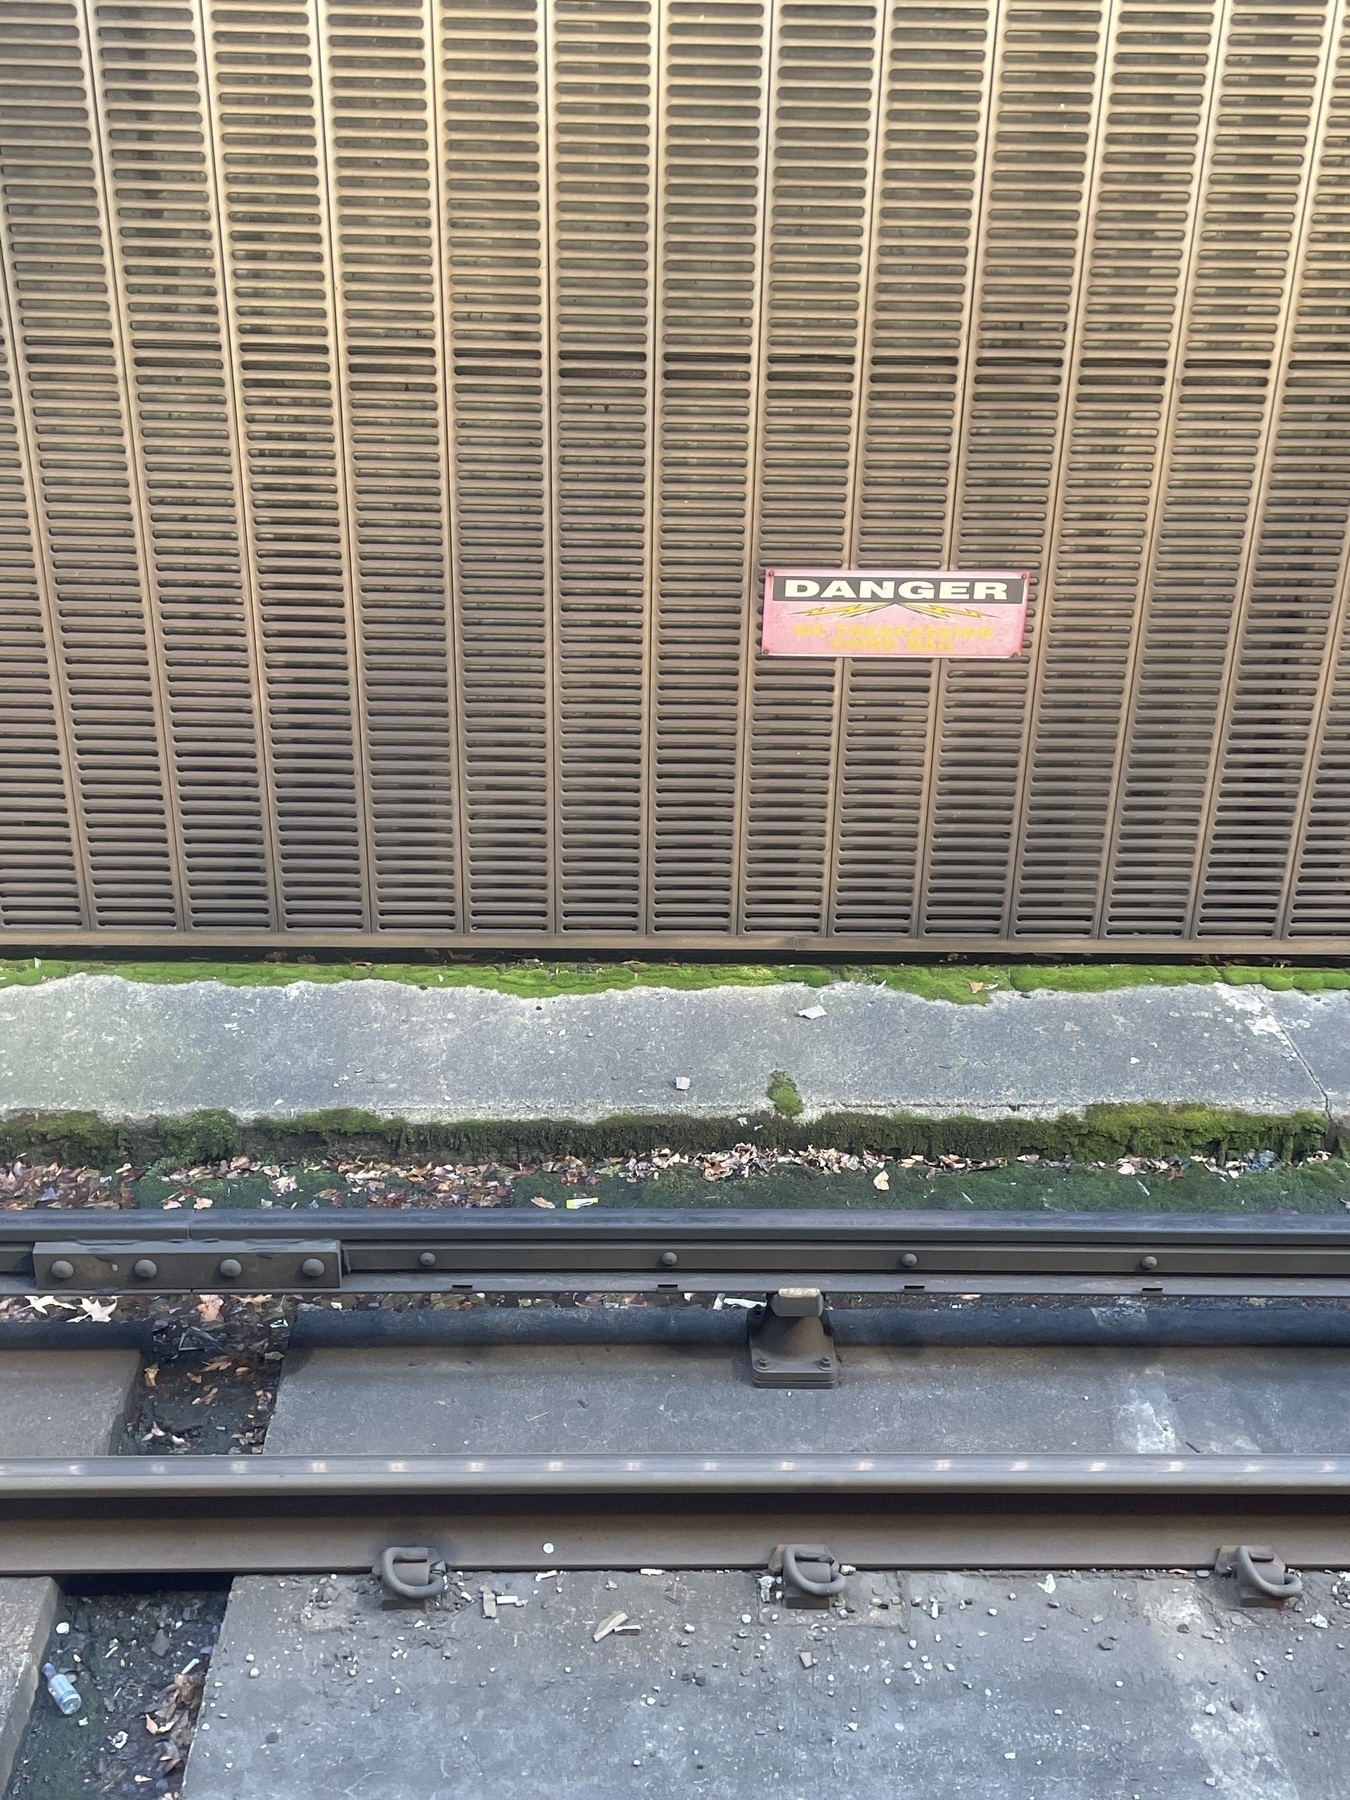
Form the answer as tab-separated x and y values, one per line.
894	612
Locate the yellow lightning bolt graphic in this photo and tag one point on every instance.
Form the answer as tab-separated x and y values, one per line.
871	606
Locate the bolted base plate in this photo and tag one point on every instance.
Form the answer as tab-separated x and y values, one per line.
792	1352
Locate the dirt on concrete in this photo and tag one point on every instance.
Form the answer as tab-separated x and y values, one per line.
139	1662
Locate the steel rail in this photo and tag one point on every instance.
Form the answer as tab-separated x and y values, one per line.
93	1481
428	1250
291	1514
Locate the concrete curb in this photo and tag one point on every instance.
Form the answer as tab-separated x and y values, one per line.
27	1614
67	1403
123	1051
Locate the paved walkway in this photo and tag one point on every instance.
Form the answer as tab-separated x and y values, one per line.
129	1050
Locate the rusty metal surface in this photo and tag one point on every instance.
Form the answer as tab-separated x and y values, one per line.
362	1251
359	1251
398	405
1315	1535
427	1251
1131	1513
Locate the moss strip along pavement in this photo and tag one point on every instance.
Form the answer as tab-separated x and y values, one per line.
102	1070
961	983
1103	1134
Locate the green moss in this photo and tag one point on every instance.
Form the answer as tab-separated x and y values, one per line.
80	1139
1105	1132
1101	1134
202	1137
1100	978
962	983
1303	981
526	979
782	1091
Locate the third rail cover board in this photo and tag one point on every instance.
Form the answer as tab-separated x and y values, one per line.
894	612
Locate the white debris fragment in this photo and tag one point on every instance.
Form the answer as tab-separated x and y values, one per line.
612	1623
1048	1585
810	1012
1317	1622
489	1600
882	1181
808	1661
682	1084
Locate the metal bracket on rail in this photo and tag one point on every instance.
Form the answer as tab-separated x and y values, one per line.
811	1575
791	1344
1262	1579
406	1571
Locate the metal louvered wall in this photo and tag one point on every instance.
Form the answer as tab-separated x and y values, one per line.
399	403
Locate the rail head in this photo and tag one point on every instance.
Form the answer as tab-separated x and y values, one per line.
94	1481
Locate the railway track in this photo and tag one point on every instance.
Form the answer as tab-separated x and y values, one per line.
809	1506
728	1498
361	1252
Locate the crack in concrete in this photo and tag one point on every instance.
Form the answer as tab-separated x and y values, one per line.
1282	1032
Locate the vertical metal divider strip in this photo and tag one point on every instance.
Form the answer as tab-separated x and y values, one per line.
142	531
1073	345
1187	288
960	430
660	14
853	522
754	485
1312	755
1256	512
1326	684
549	375
46	582
445	358
325	200
234	408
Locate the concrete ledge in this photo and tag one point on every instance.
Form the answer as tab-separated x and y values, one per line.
120	1051
27	1614
52	1403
